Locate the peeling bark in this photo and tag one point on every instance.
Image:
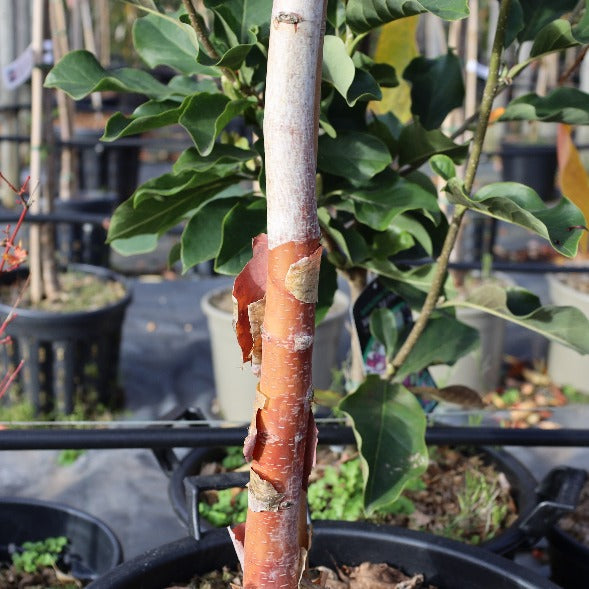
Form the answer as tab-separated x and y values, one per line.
283	443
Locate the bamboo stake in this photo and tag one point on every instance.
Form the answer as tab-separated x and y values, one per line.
104	32
89	44
36	189
472	32
283	433
65	105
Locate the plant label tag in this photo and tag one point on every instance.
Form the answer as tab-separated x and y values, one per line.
19	71
377	296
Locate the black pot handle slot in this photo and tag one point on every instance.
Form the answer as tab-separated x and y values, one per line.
557	494
167	458
195	484
225	480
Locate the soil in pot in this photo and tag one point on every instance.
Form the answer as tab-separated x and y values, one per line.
471	502
39	565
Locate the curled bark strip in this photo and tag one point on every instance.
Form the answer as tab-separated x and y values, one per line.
262	496
302	278
252	432
237	535
255	312
310	450
250	287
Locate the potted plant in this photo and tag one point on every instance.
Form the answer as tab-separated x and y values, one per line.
70	323
88	548
373	204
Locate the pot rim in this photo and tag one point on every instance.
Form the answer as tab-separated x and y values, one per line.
99	271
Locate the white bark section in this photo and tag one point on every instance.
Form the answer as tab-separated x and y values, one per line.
291	106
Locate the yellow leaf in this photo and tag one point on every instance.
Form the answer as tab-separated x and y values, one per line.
572	177
397	46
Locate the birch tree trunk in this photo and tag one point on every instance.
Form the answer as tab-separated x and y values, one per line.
283	436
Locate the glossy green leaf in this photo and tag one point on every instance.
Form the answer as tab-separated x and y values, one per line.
132	246
365	15
327	287
417	145
443	341
78	74
233	58
241	16
443	166
562	105
338	68
389	426
565	325
419	277
352	249
536	14
161	40
520	205
159	210
202	236
340	71
383	326
206	115
355	156
390	242
150	115
437	88
379	203
241	224
555	36
222	155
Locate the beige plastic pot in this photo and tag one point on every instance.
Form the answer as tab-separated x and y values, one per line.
565	366
481	369
234	382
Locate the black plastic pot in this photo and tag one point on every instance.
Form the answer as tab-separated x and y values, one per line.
93	547
85	243
532	165
523	486
445	563
569	559
68	356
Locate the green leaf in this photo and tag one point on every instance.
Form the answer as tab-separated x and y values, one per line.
419	277
338	68
340	71
327	288
203	234
352	248
222	155
443	166
437	88
161	40
536	14
389	426
365	15
417	145
243	222
556	36
443	341
241	16
156	213
565	325
562	105
383	326
233	58
78	74
206	115
385	198
138	244
150	115
520	205
355	156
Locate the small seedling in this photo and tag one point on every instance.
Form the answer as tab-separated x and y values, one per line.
34	556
